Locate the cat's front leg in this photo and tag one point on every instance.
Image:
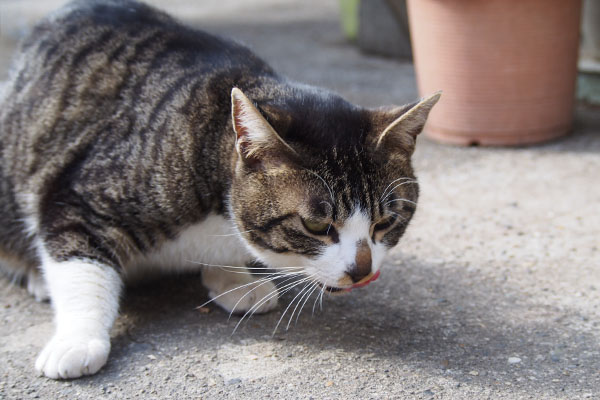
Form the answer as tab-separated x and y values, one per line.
237	291
85	297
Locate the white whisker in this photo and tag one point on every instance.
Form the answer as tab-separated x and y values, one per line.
394	188
267	297
253	289
397	186
321	299
276	292
233	234
326	185
258	273
307	289
315	286
317	298
236	267
391	183
237	288
288	307
405	200
398	215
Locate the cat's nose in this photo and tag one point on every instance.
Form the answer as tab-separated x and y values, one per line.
362	262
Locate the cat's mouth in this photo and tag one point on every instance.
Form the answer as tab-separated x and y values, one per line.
363	282
333	289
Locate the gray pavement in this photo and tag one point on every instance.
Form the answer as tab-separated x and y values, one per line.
494	292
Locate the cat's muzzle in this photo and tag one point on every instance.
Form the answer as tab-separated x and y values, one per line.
363	282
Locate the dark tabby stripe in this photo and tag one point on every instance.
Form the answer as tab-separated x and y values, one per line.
301	243
272	223
262	243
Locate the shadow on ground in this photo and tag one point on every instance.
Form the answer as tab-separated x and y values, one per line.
445	320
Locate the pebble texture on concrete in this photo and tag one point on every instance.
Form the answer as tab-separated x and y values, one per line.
494	293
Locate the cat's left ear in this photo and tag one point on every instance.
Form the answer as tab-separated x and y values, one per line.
406	123
257	142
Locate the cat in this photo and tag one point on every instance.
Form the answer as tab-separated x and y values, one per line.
131	144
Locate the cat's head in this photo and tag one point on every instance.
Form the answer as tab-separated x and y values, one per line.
322	186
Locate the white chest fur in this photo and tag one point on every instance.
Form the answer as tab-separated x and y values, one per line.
213	241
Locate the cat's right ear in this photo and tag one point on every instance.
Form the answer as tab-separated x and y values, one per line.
401	126
257	143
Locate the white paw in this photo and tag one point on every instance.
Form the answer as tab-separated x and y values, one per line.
36	286
72	356
260	297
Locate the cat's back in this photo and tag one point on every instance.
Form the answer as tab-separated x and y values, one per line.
80	22
121	39
118	68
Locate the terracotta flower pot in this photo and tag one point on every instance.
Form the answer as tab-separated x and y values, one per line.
507	68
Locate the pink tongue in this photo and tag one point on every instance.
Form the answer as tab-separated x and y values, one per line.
365	283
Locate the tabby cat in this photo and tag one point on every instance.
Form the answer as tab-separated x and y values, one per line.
131	144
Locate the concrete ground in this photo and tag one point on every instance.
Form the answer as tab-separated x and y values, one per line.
494	292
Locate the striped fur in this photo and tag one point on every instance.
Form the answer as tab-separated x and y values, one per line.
116	140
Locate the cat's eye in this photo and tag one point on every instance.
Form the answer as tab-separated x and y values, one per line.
385	223
316	227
